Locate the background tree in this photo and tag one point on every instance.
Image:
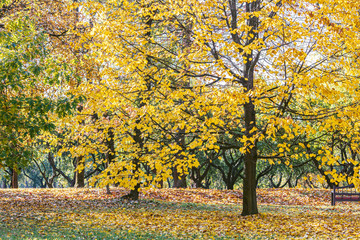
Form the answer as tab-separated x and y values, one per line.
28	74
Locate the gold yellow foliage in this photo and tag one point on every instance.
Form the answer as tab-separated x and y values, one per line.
169	80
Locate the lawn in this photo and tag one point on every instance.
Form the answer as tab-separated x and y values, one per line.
173	214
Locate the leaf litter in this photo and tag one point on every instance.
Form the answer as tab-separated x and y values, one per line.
181	213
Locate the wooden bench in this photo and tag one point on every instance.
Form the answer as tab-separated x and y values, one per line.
344	194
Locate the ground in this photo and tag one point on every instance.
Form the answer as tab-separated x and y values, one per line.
174	214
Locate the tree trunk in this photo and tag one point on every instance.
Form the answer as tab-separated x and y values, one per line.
79	175
230	185
71	181
179	178
139	140
110	155
179	182
250	159
134	193
14	179
249	195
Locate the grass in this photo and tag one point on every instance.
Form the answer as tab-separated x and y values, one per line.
59	232
173	214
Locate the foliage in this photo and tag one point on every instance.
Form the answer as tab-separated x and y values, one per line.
252	89
177	77
28	73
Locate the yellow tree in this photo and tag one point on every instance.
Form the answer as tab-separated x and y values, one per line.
62	21
255	70
128	96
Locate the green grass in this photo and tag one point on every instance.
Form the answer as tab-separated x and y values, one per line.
62	230
59	232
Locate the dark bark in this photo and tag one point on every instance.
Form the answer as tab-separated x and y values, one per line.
179	179
110	155
235	168
249	191
134	193
71	181
272	183
280	184
250	157
263	173
14	178
250	161
321	171
49	180
197	177
55	174
43	173
79	174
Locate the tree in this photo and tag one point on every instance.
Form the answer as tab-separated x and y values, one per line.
23	110
257	71
28	73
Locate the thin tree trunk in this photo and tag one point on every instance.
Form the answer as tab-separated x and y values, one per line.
110	155
70	181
